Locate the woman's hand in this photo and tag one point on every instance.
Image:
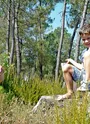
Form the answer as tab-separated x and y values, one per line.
69	60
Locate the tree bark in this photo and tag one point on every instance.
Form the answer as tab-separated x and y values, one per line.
41	57
18	55
60	44
71	42
8	28
13	33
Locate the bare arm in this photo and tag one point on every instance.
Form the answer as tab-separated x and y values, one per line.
78	65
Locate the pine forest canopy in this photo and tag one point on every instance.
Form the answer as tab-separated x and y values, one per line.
23	37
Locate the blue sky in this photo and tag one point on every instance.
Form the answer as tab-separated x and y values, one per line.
56	15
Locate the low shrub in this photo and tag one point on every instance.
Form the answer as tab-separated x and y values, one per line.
29	91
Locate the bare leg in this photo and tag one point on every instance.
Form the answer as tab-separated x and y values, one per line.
67	73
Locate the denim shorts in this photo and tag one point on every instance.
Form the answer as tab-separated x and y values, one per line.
78	75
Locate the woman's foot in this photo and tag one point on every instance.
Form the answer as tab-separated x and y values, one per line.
62	97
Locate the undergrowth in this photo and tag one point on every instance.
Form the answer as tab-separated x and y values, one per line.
17	98
29	91
16	112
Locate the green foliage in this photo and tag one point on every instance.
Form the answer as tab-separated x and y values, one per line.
37	46
17	91
73	111
52	41
4	60
29	91
2	89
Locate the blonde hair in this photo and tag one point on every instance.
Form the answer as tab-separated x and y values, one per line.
85	29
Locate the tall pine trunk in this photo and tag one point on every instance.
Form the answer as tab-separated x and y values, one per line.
72	38
13	33
61	42
8	27
41	56
18	55
81	24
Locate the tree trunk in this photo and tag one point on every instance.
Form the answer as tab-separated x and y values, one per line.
41	56
60	44
71	42
81	24
18	55
13	33
8	29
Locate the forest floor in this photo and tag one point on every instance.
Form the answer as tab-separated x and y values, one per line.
69	111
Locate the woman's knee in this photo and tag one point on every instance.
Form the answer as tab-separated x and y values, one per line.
66	67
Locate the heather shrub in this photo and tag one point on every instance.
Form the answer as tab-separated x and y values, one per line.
29	91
